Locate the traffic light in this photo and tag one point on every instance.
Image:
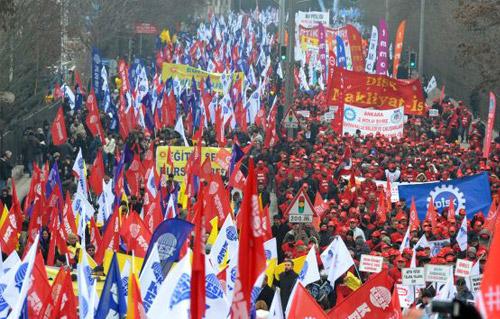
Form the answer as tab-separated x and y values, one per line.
283	53
413	60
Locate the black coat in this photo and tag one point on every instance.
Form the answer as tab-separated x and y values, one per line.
286	283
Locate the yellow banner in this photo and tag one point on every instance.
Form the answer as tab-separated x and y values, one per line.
185	73
180	155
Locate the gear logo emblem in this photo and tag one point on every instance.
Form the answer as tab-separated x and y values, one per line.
441	196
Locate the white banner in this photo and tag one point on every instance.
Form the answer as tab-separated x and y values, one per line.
308	19
371	58
387	122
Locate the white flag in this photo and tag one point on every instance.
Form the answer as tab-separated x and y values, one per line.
371	58
151	278
406	241
431	85
310	271
276	310
69	94
179	128
19	281
81	172
10	262
124	276
105	201
225	245
84	209
462	235
336	259
271	250
173	298
217	305
422	242
86	285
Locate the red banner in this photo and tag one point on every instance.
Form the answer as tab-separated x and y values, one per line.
491	122
378	91
354	37
370	301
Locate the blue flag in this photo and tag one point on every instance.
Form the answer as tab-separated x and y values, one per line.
53	180
170	235
112	303
341	60
236	155
471	193
96	72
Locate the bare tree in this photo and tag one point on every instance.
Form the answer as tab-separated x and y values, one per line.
481	52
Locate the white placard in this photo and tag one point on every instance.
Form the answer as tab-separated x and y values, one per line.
433	112
371	263
386	122
413	276
437	273
304	113
476	282
463	268
328	116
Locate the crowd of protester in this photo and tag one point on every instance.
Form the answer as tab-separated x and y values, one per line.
320	161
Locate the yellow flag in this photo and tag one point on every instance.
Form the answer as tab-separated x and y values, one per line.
298	263
271	267
214	232
352	281
5	213
121	258
165	36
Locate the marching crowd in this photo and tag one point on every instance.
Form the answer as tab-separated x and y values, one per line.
337	172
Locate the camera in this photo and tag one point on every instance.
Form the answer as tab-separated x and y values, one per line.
455	309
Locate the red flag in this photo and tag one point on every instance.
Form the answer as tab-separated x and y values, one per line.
135	174
168	109
395	304
451	212
16	205
68	218
40	288
61	302
58	129
135	234
97	174
217	200
110	238
198	297
57	240
491	122
152	210
414	220
149	157
10	233
319	205
237	179
303	305
79	82
93	120
382	208
492	217
219	127
441	96
251	256
373	300
489	295
206	169
135	309
170	162
223	158
94	234
271	137
432	214
58	93
124	129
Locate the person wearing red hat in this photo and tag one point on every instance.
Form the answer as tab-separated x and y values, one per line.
357	232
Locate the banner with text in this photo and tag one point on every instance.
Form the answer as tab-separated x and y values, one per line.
378	91
180	155
386	122
185	74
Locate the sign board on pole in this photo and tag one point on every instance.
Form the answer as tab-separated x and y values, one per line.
145	28
433	112
328	116
463	268
476	282
371	263
413	276
290	120
437	273
300	210
304	113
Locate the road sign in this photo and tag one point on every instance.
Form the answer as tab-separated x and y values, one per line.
290	120
413	276
300	210
145	28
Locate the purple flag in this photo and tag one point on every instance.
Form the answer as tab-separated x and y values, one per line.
382	54
322	48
